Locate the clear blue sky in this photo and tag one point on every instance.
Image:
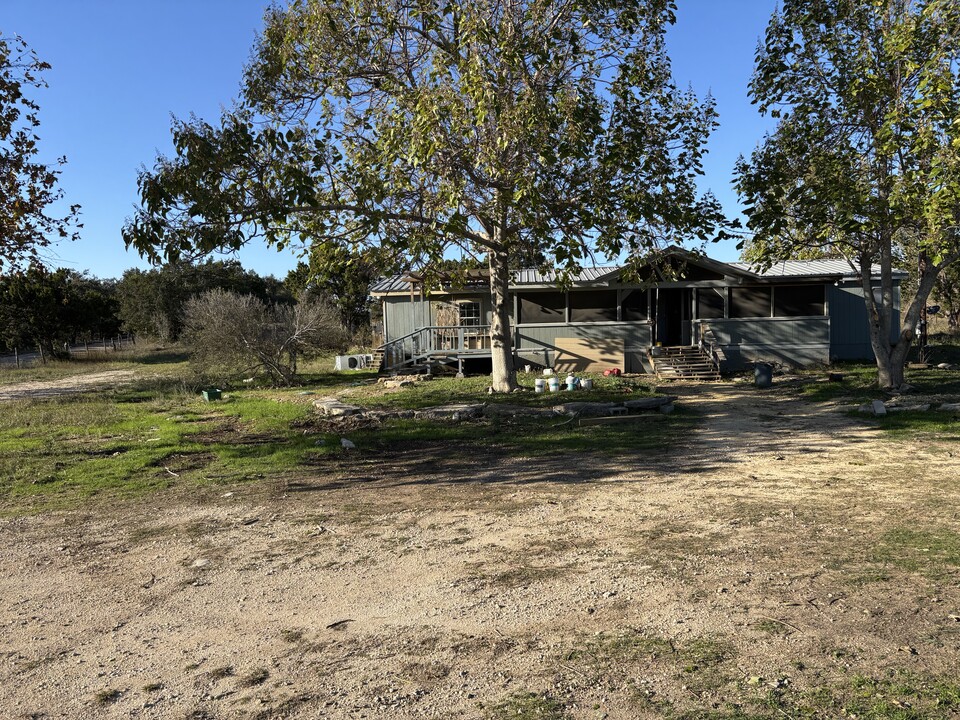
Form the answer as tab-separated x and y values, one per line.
121	68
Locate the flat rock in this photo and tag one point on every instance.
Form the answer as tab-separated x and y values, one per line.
456	411
335	408
498	409
398	383
585	409
949	407
879	408
917	407
946	366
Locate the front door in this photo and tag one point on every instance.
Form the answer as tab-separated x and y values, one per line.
673	316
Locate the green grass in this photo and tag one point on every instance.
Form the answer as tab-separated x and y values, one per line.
895	695
705	669
156	432
533	437
936	425
528	706
449	390
146	357
56	452
932	552
859	383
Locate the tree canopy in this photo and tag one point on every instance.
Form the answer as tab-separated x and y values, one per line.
512	130
29	188
343	277
47	308
152	302
865	159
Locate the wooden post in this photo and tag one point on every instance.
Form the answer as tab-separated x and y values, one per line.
16	355
43	360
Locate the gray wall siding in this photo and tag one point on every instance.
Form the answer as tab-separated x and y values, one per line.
841	335
791	341
402	317
849	329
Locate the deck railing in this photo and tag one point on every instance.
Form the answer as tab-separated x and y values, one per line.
436	341
709	344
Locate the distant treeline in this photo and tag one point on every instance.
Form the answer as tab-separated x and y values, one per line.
47	308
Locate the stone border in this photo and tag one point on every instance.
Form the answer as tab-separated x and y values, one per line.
331	407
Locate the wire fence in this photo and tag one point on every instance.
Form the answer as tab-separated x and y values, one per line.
25	357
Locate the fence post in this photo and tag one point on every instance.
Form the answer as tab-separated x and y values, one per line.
16	355
43	360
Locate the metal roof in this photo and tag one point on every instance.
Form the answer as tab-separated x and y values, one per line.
397	283
586	275
402	283
788	269
810	268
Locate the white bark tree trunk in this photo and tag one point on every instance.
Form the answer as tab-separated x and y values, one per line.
892	356
504	376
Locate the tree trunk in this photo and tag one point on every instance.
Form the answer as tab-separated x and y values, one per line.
892	356
501	347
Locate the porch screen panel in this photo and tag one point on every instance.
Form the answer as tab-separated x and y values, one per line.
593	305
635	305
798	300
749	302
547	307
710	303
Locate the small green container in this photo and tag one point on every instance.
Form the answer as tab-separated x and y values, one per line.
210	394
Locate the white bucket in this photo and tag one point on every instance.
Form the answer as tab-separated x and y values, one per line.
554	383
586	383
539	385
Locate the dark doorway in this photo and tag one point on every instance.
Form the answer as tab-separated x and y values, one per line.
673	316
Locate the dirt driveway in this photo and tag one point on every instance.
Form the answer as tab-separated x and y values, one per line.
784	554
66	386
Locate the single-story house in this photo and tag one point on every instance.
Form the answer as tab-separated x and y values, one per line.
795	313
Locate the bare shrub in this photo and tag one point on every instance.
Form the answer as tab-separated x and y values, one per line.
232	335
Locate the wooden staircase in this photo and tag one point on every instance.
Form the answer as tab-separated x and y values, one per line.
684	363
378	356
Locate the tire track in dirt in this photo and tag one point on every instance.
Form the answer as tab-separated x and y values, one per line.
66	386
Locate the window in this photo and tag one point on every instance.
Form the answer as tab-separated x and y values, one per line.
798	300
545	307
634	305
469	314
749	302
710	303
593	305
